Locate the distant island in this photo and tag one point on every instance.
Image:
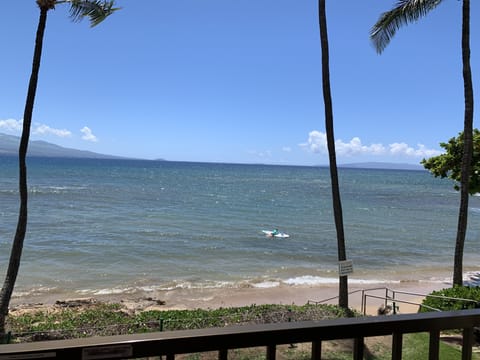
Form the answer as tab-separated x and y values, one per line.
383	165
37	148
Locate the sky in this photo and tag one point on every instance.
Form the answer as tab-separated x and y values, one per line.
238	81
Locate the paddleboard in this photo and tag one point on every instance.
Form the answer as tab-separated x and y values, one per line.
278	235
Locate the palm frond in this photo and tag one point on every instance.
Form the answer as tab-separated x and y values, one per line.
404	12
96	10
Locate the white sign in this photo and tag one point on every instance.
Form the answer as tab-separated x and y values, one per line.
345	267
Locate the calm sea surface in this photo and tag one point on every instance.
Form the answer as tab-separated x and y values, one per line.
114	226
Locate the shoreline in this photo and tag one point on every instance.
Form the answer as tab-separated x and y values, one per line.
368	297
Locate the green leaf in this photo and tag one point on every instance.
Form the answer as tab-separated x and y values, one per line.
449	164
404	12
96	10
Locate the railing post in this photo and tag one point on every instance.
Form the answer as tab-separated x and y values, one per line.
7	338
397	344
386	296
467	343
358	348
434	345
317	350
364	307
271	352
223	354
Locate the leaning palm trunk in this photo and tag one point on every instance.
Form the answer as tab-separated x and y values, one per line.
337	204
97	11
17	246
467	147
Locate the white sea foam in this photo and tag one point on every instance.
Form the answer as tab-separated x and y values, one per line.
472	278
33	292
310	280
107	291
318	280
267	284
192	285
148	288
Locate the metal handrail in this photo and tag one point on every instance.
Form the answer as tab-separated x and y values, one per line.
394	301
392	298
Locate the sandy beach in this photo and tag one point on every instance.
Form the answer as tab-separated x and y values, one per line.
299	295
406	296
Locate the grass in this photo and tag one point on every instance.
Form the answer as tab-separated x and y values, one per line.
416	347
110	319
113	319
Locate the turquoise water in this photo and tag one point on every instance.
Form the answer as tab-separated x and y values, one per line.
114	226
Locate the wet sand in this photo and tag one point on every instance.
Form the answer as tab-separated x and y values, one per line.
369	297
362	298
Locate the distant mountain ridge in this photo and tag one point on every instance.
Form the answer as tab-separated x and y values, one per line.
37	148
383	165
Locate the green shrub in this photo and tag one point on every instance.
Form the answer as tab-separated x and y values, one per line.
453	299
111	319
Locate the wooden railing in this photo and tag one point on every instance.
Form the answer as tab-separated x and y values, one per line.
171	343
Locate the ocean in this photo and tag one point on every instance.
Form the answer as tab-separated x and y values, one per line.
119	226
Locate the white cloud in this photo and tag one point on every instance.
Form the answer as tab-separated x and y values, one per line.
287	149
11	125
355	147
42	129
15	126
420	151
317	143
88	135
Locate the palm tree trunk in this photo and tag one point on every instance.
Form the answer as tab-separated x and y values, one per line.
467	147
17	246
337	204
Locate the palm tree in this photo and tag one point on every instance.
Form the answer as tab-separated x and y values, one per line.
97	11
337	204
407	11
